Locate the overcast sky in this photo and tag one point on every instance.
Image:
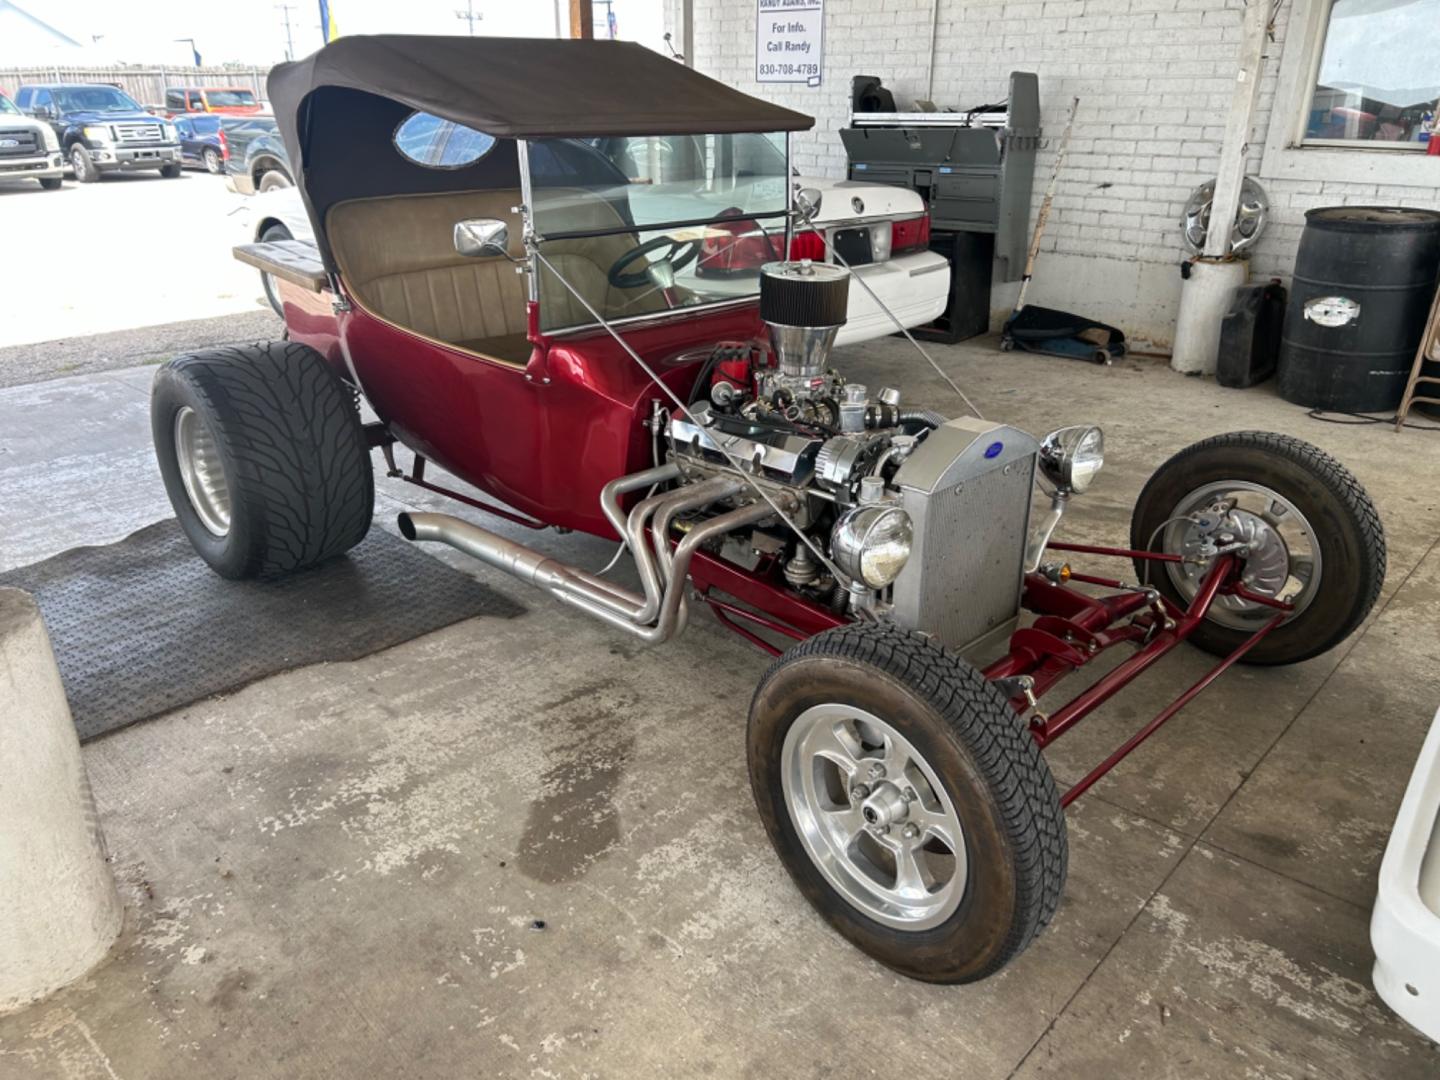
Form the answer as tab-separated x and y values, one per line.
253	31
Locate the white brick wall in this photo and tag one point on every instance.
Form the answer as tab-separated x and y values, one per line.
1154	78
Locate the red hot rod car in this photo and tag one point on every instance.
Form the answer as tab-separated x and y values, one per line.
518	310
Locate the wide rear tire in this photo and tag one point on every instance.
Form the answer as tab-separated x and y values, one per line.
263	457
950	785
1330	565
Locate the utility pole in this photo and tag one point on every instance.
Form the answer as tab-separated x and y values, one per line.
469	15
285	10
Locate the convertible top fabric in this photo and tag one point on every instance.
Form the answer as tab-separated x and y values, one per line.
338	108
529	87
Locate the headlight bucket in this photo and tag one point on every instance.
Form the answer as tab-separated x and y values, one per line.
871	544
1071	456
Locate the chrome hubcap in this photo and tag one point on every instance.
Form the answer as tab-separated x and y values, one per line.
873	816
1283	557
200	471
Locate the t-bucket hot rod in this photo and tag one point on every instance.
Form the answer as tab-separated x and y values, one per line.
516	308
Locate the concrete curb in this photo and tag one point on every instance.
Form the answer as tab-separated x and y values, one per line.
59	909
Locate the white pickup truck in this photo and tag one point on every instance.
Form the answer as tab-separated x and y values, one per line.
28	148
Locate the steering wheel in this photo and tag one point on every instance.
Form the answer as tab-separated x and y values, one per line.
661	272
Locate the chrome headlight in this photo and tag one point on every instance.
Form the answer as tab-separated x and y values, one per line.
870	544
169	131
98	133
48	138
1071	456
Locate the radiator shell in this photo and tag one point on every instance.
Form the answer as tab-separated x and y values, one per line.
971	516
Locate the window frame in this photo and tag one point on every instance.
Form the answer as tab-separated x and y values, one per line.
1288	155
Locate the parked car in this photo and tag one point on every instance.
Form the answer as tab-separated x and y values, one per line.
205	138
28	148
258	160
227	100
880	231
101	129
871	545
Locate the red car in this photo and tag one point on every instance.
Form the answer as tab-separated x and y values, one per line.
226	100
485	277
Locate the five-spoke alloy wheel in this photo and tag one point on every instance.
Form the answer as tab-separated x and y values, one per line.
907	800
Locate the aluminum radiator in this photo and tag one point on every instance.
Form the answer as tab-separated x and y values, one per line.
967	490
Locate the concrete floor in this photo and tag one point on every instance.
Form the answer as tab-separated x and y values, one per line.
528	848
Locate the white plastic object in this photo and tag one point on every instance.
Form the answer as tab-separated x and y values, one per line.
59	910
1405	925
1205	297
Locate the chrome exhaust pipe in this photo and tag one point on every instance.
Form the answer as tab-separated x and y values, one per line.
610	603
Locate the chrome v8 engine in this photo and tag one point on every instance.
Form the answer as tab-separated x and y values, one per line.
924	519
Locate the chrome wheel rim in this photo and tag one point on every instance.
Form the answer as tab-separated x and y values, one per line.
1283	563
874	817
200	471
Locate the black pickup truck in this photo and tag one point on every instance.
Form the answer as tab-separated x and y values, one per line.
257	160
101	129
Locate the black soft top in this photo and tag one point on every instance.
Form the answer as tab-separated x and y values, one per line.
338	108
529	87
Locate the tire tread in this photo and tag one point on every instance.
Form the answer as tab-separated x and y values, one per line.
981	718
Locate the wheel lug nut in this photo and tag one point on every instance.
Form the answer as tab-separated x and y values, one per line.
877	771
911	831
882	830
858	792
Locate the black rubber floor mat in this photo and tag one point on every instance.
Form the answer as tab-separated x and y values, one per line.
142	626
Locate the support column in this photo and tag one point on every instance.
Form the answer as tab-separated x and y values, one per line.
59	909
1206	293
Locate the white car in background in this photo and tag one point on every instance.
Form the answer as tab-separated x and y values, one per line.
883	232
1405	925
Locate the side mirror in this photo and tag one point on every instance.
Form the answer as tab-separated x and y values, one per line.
41	112
807	202
482	238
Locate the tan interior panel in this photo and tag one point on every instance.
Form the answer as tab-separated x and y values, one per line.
398	256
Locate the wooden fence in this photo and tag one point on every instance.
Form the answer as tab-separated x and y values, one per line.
145	84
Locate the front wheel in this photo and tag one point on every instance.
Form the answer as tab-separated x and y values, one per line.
86	171
263	457
1311	538
907	801
170	172
50	183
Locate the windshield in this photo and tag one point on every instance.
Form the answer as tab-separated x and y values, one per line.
6	105
95	99
655	223
229	98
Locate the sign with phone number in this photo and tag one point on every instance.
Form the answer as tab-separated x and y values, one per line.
790	41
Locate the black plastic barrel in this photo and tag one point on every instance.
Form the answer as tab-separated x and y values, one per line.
1364	280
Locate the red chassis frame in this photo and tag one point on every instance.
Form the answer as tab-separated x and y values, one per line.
584	391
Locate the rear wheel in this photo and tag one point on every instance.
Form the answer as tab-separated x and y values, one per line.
273	180
263	457
86	171
212	160
1312	537
908	802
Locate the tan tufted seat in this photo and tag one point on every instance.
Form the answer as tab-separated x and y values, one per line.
397	254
